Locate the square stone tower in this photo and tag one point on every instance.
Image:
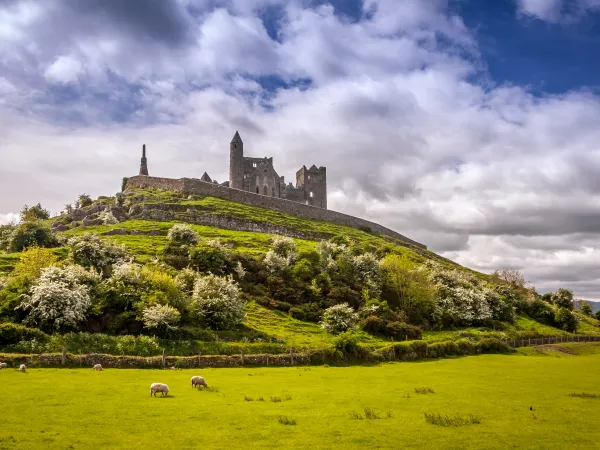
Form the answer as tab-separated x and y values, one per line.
313	182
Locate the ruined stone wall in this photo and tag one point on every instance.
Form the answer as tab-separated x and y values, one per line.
194	186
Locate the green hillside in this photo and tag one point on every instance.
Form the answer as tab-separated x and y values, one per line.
393	290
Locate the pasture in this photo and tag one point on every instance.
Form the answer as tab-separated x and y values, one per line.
314	407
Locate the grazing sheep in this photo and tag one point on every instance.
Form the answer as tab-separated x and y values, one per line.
2	365
197	381
159	387
22	368
172	368
97	367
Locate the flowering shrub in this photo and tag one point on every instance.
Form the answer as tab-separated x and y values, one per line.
217	302
33	260
328	252
160	316
339	318
107	218
367	268
59	300
212	257
183	234
186	279
462	300
282	254
239	270
88	250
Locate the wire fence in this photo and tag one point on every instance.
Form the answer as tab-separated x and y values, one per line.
550	340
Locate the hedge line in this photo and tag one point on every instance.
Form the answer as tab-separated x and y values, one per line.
402	351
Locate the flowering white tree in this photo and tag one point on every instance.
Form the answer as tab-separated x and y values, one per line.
183	234
186	279
58	300
108	218
217	302
160	316
328	252
88	250
339	318
282	254
367	268
464	300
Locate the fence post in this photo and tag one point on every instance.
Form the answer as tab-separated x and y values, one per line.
529	341
242	359
164	357
291	356
63	359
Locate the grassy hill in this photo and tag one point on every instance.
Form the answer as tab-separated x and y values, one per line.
140	220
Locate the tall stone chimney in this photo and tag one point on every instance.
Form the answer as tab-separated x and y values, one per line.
144	164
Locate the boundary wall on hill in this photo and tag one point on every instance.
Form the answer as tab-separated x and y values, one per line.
194	186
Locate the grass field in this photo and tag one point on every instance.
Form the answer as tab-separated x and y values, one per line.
82	409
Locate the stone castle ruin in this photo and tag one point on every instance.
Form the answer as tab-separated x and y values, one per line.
254	181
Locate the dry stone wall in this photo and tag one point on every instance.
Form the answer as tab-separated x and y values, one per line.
194	186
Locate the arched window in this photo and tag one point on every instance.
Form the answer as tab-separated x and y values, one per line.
257	189
265	189
273	191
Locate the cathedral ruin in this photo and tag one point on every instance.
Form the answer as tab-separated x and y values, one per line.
257	175
255	182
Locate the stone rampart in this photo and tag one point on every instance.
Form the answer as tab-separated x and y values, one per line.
195	186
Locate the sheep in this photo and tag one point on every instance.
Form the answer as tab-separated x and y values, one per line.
197	381
159	387
22	368
2	366
97	367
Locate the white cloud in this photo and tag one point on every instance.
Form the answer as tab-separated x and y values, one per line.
64	70
8	218
559	11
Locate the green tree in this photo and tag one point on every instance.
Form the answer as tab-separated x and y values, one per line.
566	320
5	235
83	200
563	298
31	234
33	260
36	212
586	309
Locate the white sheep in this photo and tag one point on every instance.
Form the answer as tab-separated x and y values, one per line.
22	368
97	367
159	387
197	381
2	366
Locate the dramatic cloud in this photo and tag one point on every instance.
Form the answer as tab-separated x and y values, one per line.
389	96
565	11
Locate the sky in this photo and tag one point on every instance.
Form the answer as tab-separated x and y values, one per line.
470	126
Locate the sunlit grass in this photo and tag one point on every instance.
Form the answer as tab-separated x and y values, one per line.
80	408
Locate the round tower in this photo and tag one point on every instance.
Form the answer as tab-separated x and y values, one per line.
236	162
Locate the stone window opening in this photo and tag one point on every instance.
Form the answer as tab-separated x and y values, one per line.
309	177
253	164
257	190
311	194
265	190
